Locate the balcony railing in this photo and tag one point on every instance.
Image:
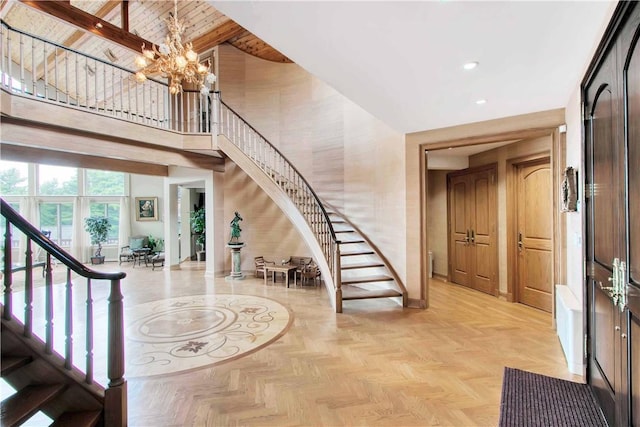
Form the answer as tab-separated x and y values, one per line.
33	67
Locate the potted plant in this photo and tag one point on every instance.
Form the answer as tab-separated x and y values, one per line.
198	225
156	244
98	227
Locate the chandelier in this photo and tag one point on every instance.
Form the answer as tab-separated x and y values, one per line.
174	61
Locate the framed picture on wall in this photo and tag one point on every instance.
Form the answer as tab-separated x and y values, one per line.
146	208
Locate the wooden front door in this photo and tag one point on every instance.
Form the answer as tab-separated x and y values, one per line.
472	228
534	263
611	94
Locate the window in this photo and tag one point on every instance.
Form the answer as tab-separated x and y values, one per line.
57	218
112	212
104	183
57	181
14	178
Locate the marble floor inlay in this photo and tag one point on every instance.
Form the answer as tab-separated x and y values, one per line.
178	334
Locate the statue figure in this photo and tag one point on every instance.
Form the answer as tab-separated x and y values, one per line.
235	228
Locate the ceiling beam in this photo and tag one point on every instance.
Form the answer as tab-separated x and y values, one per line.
218	35
76	37
64	11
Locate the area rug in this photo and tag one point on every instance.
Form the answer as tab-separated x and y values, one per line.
180	334
530	399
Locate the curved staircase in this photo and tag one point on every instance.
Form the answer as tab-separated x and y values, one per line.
351	265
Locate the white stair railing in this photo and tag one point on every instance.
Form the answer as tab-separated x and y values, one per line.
33	67
276	166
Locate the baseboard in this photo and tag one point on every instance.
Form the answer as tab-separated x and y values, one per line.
440	277
416	303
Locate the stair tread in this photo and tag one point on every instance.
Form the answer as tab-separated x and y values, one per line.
346	242
354	253
361	265
345	231
354	292
20	406
367	279
78	419
11	363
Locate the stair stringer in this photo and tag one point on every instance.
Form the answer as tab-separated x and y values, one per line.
290	210
48	369
399	285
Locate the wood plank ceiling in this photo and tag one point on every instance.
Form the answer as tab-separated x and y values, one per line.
205	26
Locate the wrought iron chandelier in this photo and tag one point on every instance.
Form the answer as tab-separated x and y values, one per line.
175	61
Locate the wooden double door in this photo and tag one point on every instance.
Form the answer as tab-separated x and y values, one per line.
472	228
611	95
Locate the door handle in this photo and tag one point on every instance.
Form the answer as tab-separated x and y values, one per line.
473	237
466	238
520	246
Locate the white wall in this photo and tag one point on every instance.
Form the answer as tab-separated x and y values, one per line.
147	186
350	158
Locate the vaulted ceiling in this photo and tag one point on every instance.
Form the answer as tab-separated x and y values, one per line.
399	60
125	26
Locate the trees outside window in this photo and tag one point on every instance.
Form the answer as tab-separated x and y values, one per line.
57	218
111	211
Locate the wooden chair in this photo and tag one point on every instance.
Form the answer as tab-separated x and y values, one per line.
310	271
135	243
260	263
300	262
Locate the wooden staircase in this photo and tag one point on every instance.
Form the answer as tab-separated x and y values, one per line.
41	384
45	381
364	271
352	266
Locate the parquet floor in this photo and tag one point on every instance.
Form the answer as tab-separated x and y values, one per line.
375	364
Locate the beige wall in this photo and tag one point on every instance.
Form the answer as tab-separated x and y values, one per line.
500	156
265	230
350	158
437	221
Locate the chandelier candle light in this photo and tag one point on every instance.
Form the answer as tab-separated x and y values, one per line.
174	61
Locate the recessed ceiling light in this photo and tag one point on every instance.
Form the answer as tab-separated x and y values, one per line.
481	101
470	65
98	25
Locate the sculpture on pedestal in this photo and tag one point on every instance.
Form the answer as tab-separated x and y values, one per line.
235	245
235	229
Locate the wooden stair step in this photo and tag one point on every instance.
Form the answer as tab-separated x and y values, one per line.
361	265
354	292
346	242
19	407
11	363
356	253
78	419
367	279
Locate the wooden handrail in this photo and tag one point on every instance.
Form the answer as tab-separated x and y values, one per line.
115	396
315	196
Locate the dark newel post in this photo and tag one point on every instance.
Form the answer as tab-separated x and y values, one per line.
116	393
338	279
8	275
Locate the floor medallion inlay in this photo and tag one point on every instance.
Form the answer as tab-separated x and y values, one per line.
179	334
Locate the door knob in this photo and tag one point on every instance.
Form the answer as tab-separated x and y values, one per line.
520	241
473	236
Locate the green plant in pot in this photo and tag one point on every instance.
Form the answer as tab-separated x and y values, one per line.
198	225
156	244
98	228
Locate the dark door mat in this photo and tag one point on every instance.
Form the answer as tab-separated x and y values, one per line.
530	399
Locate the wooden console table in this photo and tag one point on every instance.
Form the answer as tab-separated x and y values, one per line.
286	269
